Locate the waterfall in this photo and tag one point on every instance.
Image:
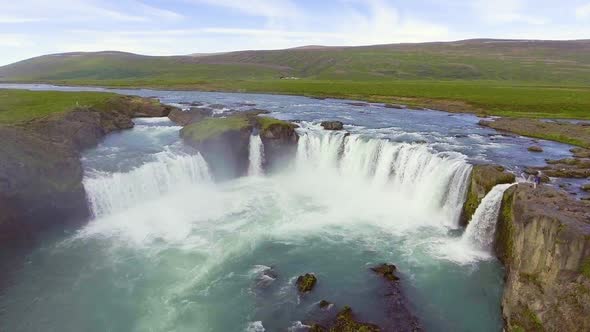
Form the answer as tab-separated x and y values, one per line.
256	156
482	228
112	192
437	180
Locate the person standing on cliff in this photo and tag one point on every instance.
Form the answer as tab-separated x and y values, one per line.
537	180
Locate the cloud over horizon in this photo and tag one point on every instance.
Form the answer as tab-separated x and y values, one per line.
158	27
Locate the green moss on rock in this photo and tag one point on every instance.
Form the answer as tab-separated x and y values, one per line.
306	282
214	127
266	123
387	271
505	229
345	322
483	178
585	269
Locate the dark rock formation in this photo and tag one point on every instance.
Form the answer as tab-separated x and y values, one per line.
40	171
40	185
224	142
280	141
358	104
483	179
193	115
346	322
398	309
217	106
543	240
577	168
387	271
324	304
580	152
396	106
332	125
535	148
306	283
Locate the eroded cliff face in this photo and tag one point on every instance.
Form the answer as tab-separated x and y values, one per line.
543	239
224	141
40	170
483	178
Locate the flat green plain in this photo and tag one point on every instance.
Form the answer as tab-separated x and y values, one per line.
514	78
21	105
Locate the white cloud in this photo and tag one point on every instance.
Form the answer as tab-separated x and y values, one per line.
14	20
272	9
30	11
506	11
583	11
378	22
12	40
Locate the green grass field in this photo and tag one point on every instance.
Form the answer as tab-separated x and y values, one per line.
539	79
480	97
20	105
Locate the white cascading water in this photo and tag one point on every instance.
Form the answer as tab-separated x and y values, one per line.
112	192
437	180
480	232
256	156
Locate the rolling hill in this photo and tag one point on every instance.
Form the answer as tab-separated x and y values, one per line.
554	62
518	78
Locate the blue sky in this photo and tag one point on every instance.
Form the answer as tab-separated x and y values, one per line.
165	27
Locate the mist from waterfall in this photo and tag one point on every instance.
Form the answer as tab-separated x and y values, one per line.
433	181
113	192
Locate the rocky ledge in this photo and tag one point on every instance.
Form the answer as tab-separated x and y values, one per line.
40	169
483	178
543	240
224	142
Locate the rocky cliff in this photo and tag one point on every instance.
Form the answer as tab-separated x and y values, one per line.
40	169
483	178
543	240
224	142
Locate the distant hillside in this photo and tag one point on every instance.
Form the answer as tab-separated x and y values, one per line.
552	62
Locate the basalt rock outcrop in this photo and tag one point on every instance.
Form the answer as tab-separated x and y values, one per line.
184	118
400	317
345	321
224	141
394	305
305	283
543	240
483	178
40	169
280	141
577	168
332	125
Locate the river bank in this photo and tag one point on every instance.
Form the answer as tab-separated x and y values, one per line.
519	102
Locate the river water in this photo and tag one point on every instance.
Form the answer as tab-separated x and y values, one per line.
171	249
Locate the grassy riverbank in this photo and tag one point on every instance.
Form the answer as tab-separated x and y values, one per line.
21	105
525	100
482	98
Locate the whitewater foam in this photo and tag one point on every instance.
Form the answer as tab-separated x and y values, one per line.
476	243
437	180
482	227
112	192
256	156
